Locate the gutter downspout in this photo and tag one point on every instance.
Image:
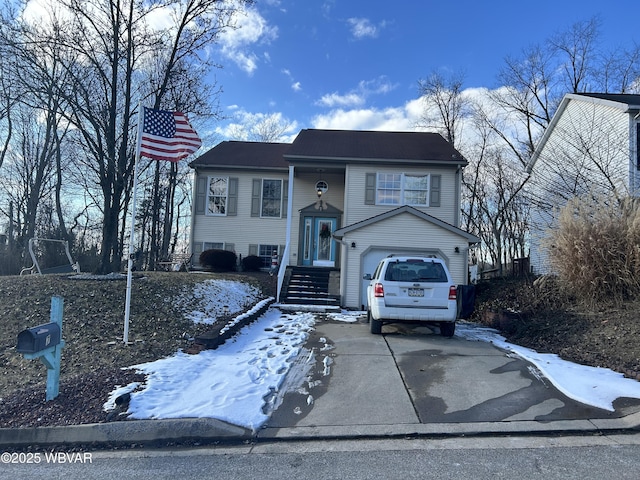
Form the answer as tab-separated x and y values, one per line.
343	263
456	219
634	156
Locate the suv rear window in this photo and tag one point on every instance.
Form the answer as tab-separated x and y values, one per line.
415	271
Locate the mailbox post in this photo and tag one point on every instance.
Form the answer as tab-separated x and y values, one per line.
45	342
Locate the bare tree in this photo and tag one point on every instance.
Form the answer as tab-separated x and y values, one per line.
576	48
509	126
493	206
9	83
445	104
528	99
260	127
8	98
115	58
619	71
271	128
27	178
37	153
494	178
176	78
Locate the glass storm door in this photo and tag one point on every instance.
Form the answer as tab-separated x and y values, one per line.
319	248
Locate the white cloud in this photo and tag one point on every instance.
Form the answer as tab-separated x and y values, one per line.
345	116
43	13
327	6
390	119
376	86
244	124
333	100
358	96
252	29
295	85
363	28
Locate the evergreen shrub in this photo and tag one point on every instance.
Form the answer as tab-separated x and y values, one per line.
252	263
219	260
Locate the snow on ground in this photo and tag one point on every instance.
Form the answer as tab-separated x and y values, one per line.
235	382
595	386
229	383
346	316
218	297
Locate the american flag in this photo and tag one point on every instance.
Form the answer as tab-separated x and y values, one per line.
167	136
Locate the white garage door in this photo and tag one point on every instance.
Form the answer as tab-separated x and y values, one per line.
370	261
372	257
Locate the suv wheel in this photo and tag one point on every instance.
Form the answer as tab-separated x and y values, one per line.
447	329
376	326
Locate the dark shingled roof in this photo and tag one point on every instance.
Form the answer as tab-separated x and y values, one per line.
372	145
333	145
631	100
244	154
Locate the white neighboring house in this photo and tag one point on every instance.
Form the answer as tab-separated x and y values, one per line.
590	146
333	200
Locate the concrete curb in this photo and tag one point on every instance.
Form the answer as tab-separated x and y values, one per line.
124	432
147	432
568	427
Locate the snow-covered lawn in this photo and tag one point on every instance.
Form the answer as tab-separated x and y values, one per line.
229	383
234	382
217	297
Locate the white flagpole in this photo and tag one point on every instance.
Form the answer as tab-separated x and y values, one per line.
127	307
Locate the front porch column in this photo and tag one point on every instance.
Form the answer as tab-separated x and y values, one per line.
289	209
287	249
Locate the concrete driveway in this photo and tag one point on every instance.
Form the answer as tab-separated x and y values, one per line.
411	376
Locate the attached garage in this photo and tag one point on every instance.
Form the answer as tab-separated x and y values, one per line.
404	230
374	254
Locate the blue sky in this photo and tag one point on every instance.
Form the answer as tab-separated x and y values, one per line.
356	64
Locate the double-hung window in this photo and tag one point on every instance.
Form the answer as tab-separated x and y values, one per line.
265	252
271	198
217	195
402	189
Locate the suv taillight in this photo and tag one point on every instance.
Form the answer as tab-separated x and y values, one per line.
453	291
378	290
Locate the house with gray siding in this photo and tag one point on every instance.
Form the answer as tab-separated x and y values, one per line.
332	203
589	148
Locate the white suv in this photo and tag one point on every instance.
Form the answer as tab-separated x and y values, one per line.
412	289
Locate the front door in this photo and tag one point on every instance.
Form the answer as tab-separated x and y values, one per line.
319	248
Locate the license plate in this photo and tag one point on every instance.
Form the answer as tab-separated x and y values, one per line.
416	292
